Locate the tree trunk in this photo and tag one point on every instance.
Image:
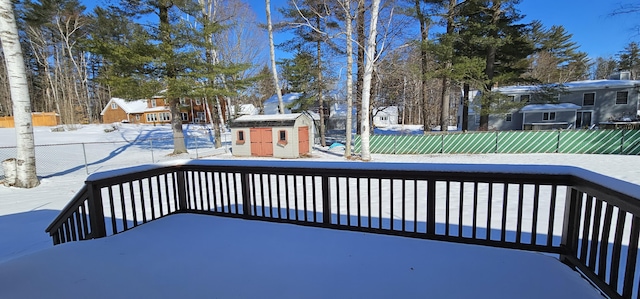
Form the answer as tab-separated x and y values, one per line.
25	163
367	76
465	107
323	140
424	63
349	126
359	60
272	55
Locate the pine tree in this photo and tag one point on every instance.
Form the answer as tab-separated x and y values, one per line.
557	58
490	29
629	60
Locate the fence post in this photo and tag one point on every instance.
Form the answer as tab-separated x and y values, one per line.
84	152
246	195
182	190
326	205
96	213
558	142
571	225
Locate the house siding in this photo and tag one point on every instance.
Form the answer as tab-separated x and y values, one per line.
604	108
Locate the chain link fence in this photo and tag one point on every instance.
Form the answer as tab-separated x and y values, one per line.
60	159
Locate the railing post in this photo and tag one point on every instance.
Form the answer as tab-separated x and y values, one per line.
431	207
326	205
96	212
246	195
182	190
571	224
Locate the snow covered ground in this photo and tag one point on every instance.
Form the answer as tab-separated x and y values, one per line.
26	250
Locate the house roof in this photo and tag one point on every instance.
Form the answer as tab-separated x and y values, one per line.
550	107
136	106
245	109
575	85
268	120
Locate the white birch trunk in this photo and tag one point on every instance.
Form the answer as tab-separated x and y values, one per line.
25	163
272	54
349	126
369	59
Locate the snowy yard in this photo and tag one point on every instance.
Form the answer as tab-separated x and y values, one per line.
204	256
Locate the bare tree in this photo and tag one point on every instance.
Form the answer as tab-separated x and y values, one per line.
24	166
370	58
349	54
272	54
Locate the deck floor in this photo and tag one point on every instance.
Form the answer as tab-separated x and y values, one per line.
197	256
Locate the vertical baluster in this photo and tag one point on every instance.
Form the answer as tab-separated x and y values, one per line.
604	243
595	234
632	256
552	213
151	199
489	208
474	215
114	226
142	203
505	201
617	248
584	247
534	225
447	207
520	210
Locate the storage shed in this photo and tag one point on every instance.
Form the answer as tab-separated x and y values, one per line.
275	135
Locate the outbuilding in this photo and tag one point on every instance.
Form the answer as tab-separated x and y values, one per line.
274	135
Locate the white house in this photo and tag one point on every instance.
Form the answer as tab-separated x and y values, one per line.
385	116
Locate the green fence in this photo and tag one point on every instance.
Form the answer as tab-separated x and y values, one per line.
626	142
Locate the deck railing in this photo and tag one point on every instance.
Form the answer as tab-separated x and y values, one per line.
589	220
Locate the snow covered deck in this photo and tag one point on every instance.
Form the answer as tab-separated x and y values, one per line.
197	256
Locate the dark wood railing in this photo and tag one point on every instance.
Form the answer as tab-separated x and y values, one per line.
589	220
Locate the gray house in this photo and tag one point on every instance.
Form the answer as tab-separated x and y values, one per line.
582	104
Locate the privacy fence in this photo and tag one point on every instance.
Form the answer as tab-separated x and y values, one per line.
625	142
591	221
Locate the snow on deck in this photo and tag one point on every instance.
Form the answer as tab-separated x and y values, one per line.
197	256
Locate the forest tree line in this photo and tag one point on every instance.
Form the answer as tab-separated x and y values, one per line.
428	54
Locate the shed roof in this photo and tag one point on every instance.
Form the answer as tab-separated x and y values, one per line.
268	120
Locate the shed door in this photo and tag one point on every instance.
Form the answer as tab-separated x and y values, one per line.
303	140
261	142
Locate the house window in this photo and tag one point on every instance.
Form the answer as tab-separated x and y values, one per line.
512	98
589	99
198	102
548	116
384	118
152	117
114	106
183	102
240	139
524	98
282	137
621	97
201	117
165	116
137	116
508	117
153	103
184	116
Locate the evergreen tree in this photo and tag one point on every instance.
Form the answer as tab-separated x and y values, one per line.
490	29
629	60
557	58
300	75
603	68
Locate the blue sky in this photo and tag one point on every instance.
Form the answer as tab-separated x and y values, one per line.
590	21
597	33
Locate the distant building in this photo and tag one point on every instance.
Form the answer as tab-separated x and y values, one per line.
153	111
273	135
385	116
582	104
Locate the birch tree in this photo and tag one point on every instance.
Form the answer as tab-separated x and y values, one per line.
24	166
369	55
272	55
349	54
